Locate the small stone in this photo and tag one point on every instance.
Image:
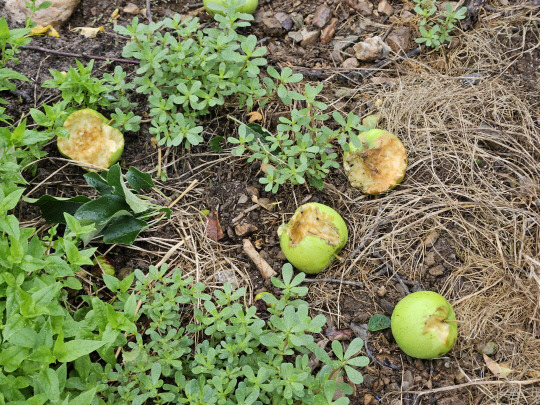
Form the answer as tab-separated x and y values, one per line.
381	292
328	33
431	239
322	16
336	56
227	276
399	39
406	16
368	399
343	43
245	228
360	331
371	49
309	37
350	63
285	20
385	8
364	7
430	259
488	348
408	380
437	271
243	199
271	25
131	9
297	19
369	380
296	36
56	14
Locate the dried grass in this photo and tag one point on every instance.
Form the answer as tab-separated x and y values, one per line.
473	179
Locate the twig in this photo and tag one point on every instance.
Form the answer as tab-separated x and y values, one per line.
334	280
148	12
266	270
388	31
77	55
187	190
477	382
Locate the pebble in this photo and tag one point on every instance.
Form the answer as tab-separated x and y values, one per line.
131	9
285	20
298	20
343	43
364	7
368	399
385	7
328	33
56	14
408	380
488	348
296	36
271	25
243	199
437	270
371	49
430	259
381	292
322	16
399	39
350	63
309	37
245	228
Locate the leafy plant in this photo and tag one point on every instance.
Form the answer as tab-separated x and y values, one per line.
237	358
378	322
436	30
118	216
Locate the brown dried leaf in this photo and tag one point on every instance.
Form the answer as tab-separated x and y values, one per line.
499	370
213	227
338	334
255	116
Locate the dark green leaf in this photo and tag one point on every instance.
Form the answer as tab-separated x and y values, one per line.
378	322
139	180
98	182
102	209
123	230
216	142
53	208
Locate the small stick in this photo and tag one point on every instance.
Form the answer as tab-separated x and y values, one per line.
334	280
77	55
148	12
187	190
477	382
266	270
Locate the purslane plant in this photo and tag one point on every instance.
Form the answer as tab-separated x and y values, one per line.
237	358
436	30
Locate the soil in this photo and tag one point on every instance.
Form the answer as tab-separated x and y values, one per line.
228	184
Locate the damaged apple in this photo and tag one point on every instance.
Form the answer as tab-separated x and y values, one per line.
424	325
378	165
313	237
91	140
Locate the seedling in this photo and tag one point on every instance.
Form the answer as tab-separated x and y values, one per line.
313	237
221	6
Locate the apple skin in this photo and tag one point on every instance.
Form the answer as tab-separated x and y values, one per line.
313	254
424	325
248	7
371	140
77	115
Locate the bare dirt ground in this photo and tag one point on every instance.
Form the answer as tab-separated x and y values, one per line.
465	222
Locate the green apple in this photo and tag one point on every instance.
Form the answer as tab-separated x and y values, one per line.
242	6
424	325
91	140
378	165
313	237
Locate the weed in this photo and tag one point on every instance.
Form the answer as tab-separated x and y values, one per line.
436	30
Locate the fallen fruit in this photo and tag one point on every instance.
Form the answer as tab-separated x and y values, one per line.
424	325
378	165
313	237
242	6
91	139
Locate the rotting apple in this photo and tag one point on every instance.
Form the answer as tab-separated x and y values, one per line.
91	140
378	165
424	325
244	6
313	237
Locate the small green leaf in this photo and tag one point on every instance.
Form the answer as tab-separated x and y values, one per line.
378	322
139	180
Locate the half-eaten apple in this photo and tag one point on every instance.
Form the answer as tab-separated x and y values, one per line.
313	237
378	165
424	325
91	140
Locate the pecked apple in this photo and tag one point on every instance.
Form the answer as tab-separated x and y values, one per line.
424	325
378	165
91	140
313	237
